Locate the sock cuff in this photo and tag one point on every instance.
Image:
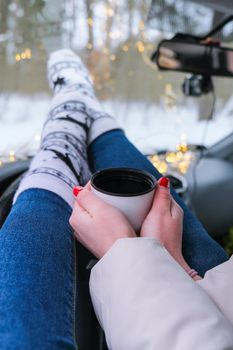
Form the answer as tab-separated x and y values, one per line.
43	181
101	126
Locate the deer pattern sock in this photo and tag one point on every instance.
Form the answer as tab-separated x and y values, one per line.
61	162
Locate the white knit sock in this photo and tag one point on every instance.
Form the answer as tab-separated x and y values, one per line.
61	162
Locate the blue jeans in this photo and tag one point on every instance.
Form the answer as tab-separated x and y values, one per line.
38	257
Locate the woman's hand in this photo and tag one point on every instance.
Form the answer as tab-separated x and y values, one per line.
165	221
97	224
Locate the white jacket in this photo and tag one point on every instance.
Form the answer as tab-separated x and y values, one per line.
145	301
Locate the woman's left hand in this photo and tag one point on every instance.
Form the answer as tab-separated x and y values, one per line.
98	225
164	222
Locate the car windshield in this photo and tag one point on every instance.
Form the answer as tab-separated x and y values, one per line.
115	40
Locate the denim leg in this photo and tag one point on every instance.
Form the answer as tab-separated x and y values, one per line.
37	275
113	149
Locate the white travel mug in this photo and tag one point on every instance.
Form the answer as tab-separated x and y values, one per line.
130	190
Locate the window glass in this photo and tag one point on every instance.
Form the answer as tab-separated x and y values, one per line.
115	40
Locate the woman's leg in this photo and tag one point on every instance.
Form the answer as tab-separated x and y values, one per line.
61	162
113	149
37	252
37	275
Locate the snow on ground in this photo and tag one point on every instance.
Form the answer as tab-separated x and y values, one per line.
150	127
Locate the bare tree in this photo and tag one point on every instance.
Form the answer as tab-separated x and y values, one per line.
89	4
3	27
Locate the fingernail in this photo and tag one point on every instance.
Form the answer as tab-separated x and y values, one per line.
164	181
77	190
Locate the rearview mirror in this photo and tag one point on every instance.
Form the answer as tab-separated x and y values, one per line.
185	55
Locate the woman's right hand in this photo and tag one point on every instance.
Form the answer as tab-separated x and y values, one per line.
165	221
97	224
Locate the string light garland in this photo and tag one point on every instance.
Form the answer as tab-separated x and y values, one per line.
24	55
166	163
174	161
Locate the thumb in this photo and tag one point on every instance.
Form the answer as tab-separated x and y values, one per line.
88	186
162	199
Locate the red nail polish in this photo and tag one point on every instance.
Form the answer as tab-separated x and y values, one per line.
77	190
164	181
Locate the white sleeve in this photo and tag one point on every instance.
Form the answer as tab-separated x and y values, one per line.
218	284
144	300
